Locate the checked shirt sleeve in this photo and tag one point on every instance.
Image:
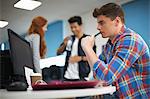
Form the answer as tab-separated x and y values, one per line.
126	52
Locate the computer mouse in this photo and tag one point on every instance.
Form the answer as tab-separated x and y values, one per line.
17	86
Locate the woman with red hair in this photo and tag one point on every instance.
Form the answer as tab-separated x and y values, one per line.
37	41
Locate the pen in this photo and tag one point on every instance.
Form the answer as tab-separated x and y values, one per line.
96	34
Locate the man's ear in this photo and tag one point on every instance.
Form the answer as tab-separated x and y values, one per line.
117	21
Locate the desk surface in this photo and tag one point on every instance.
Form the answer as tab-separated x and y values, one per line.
56	93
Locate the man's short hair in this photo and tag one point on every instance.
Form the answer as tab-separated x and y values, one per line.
74	19
110	10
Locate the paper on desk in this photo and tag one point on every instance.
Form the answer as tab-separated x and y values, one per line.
28	72
57	60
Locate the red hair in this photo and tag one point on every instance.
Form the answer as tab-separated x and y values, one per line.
37	28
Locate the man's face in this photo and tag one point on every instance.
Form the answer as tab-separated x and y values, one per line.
106	26
75	28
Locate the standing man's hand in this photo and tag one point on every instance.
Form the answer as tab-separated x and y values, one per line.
74	59
61	49
66	40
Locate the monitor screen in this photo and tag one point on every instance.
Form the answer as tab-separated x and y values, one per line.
21	53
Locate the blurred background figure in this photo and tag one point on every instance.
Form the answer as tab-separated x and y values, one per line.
37	41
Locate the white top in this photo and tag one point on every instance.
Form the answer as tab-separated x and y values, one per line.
72	71
34	40
53	94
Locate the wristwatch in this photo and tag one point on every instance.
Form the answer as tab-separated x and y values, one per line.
82	58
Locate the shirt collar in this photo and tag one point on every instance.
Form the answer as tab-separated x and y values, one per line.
118	35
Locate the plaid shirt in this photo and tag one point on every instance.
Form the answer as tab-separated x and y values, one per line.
125	63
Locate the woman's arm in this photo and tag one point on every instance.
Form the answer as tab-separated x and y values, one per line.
36	53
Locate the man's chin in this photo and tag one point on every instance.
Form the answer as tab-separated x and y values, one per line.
75	34
103	36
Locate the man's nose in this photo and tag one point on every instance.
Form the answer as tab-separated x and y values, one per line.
73	29
99	27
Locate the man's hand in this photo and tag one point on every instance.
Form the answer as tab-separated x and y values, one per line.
75	59
61	49
66	40
87	42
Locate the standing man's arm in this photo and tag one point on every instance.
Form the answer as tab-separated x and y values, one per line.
75	59
62	47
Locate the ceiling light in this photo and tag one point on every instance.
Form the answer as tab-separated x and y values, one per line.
27	4
2	46
3	24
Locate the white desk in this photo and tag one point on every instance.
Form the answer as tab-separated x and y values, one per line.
47	94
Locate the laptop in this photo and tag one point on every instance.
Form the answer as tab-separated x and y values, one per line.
54	85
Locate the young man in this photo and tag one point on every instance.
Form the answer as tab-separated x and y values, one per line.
125	60
76	66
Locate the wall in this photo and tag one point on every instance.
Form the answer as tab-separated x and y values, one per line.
54	37
137	15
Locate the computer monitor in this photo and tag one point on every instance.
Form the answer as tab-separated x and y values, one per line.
21	53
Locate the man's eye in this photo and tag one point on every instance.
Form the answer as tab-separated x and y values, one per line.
102	23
